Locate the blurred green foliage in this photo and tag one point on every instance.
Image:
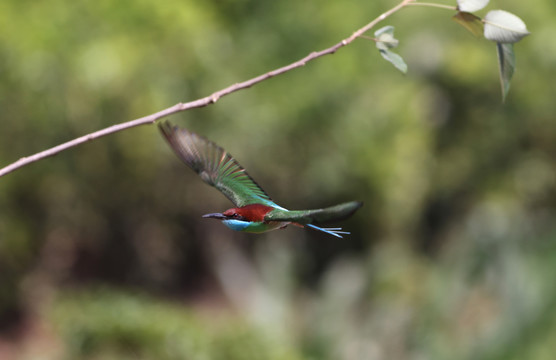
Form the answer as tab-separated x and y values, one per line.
452	255
111	324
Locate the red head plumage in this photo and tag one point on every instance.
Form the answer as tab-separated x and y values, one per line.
252	212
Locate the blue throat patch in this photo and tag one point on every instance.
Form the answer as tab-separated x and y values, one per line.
236	225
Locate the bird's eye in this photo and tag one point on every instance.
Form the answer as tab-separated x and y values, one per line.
237	216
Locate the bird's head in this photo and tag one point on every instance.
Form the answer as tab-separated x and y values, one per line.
232	218
249	218
249	213
242	217
230	214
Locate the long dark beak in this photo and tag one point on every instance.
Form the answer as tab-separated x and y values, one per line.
215	216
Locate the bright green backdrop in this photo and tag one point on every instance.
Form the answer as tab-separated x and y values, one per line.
103	251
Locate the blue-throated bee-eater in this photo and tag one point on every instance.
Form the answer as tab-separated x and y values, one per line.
254	212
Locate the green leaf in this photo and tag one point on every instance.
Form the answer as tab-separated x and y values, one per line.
506	64
395	59
469	21
504	27
385	41
385	38
471	5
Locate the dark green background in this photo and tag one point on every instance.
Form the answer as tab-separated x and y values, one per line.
103	251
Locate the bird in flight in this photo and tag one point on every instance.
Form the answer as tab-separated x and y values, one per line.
254	211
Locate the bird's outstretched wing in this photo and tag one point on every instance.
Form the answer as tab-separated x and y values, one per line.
215	166
317	216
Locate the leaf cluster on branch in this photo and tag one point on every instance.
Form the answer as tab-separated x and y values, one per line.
499	26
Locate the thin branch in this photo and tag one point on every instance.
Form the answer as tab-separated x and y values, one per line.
211	99
439	6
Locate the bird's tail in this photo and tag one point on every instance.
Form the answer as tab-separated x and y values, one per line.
304	217
332	231
334	213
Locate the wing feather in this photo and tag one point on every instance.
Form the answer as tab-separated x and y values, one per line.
215	166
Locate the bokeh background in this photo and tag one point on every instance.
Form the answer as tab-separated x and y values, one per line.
103	251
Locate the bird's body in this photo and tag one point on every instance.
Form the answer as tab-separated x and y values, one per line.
254	212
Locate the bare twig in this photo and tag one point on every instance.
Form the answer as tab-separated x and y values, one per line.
211	99
439	6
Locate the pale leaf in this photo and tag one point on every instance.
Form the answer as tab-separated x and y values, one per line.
504	27
471	5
